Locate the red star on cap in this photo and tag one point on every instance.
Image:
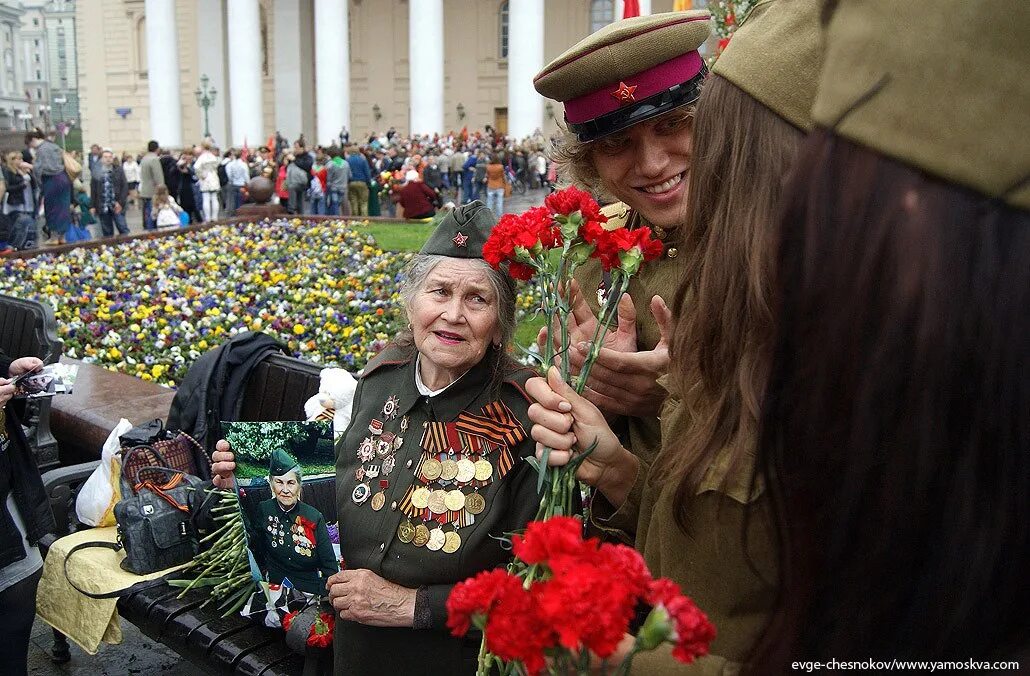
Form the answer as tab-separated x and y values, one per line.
625	93
460	239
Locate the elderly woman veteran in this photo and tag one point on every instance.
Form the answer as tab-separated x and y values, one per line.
696	512
430	473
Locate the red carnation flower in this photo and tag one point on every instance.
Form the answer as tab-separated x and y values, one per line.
477	596
692	632
544	540
521	271
570	200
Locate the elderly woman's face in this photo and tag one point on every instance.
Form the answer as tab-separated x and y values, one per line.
454	317
647	165
286	489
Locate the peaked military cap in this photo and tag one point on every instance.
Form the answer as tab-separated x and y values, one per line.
462	232
282	463
628	72
775	56
946	91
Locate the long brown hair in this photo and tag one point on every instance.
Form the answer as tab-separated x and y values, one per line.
742	154
895	432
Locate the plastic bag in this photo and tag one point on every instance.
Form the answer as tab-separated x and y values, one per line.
95	503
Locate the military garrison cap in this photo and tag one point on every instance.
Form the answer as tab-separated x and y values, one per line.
462	232
946	91
282	463
775	56
628	72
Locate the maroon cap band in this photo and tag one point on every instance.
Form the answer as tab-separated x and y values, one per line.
636	88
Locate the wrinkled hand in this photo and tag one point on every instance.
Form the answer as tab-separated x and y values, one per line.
362	596
6	391
623	379
24	365
223	465
568	423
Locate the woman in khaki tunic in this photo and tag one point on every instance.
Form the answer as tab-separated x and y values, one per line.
695	511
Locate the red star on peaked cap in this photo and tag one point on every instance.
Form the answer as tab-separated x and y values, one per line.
624	93
462	232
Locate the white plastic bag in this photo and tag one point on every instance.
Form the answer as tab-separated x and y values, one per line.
97	495
335	396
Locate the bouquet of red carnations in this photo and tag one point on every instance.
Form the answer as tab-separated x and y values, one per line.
579	609
547	244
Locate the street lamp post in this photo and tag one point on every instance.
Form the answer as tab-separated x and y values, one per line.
61	128
205	99
25	117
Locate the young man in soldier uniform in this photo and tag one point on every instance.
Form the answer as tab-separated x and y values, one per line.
628	91
289	538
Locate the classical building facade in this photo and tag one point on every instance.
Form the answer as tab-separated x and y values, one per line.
313	67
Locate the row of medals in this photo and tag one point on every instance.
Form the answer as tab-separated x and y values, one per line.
439	501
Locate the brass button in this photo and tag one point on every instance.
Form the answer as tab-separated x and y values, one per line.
672	252
659	232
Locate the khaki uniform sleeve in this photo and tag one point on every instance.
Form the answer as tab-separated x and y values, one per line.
621	521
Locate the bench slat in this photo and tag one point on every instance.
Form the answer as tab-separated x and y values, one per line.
231	649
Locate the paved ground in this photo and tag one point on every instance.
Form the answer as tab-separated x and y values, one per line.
514	204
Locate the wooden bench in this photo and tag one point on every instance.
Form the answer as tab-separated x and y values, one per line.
29	329
276	390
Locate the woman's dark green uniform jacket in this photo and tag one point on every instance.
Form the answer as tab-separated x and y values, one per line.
293	544
475	423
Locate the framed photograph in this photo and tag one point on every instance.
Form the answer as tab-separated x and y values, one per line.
285	477
46	381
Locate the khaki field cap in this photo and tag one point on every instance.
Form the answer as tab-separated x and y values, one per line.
945	89
628	71
775	56
462	232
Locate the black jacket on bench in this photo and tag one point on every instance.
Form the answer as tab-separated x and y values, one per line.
212	390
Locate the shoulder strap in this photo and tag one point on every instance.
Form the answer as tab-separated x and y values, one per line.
116	546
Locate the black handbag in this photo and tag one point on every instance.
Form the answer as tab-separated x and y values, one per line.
157	520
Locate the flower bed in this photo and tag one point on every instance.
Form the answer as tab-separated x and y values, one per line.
149	307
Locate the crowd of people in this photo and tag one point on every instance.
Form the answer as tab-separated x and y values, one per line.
812	412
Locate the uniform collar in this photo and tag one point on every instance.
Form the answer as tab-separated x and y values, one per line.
448	404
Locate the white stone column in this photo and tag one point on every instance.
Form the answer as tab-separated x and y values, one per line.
211	62
425	65
244	21
525	60
332	70
163	73
286	64
645	7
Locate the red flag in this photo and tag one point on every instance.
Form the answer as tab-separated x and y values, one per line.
244	152
630	8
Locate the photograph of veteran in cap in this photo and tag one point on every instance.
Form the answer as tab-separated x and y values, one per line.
430	473
695	512
629	91
287	537
896	430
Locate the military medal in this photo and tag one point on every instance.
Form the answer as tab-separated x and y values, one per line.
405	532
384	447
379	499
466	471
448	469
420	497
474	503
438	502
359	474
431	469
421	535
454	500
388	464
405	421
367	450
451	542
436	540
360	493
390	407
375	427
484	470
397	443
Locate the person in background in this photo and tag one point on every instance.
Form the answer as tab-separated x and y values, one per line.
150	176
166	210
48	169
181	186
108	193
895	435
360	180
93	159
416	199
337	180
206	169
238	175
431	174
298	181
25	517
19	202
495	181
130	167
282	193
318	189
82	204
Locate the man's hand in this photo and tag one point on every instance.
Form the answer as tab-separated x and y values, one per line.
364	597
117	208
623	379
93	210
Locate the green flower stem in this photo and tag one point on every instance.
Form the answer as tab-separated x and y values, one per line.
610	311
